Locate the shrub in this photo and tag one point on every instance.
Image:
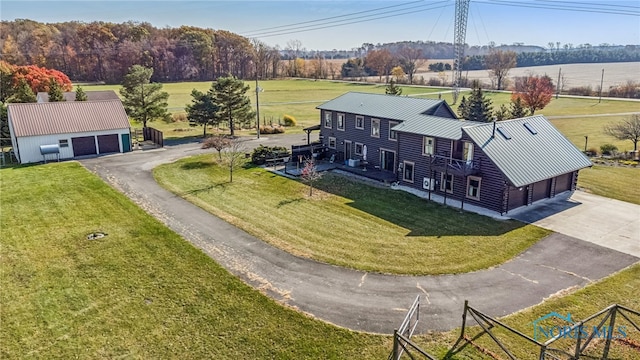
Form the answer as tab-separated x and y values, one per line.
608	149
289	120
262	153
581	90
274	129
592	152
179	117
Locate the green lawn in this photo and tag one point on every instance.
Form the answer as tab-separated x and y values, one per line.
575	129
615	182
622	288
140	293
347	223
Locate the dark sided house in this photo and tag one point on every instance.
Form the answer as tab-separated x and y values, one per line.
499	166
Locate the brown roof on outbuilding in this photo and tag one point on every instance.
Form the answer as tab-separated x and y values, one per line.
98	95
35	119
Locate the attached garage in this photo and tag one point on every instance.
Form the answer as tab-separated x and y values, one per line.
79	128
541	190
517	197
564	183
85	145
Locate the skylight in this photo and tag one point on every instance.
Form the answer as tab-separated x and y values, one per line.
530	128
504	132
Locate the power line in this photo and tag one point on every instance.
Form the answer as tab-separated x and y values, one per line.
330	18
584	3
560	7
322	26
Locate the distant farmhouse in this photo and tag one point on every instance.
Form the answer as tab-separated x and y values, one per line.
499	166
69	129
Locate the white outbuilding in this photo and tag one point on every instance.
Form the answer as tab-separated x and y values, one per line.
65	130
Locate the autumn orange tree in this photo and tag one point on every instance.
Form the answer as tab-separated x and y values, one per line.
534	91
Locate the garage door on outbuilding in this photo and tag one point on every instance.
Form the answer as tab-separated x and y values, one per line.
108	143
84	145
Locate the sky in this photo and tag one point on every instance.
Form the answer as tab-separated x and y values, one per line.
343	25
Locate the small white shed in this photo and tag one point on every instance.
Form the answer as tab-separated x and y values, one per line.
79	128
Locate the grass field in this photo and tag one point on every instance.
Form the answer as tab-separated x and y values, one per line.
347	223
300	98
615	182
142	292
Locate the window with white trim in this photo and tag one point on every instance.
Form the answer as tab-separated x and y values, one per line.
359	122
428	145
473	187
340	122
359	148
393	136
63	143
467	151
332	143
407	171
446	183
327	119
375	128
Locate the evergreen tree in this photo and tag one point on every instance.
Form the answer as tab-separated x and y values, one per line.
80	94
55	91
392	89
517	108
203	110
463	111
5	136
502	113
144	101
23	93
235	106
476	107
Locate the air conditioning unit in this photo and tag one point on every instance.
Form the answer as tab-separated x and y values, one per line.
428	184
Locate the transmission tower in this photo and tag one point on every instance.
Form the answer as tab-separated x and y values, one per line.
459	34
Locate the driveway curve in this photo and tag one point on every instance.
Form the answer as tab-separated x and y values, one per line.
357	300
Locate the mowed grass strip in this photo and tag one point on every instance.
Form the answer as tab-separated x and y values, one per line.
141	292
619	183
348	223
622	288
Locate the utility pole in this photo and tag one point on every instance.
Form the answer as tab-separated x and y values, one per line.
257	107
558	84
601	83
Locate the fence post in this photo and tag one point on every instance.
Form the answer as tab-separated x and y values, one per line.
395	345
543	350
464	318
609	332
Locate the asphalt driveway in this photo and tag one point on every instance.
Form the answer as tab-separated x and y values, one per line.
354	299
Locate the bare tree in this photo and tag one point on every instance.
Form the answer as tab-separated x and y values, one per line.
411	60
233	156
310	174
628	129
499	63
218	142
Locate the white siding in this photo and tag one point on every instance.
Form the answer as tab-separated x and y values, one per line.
28	148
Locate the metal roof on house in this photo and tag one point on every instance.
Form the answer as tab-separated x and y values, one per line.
381	105
98	95
434	126
33	119
527	154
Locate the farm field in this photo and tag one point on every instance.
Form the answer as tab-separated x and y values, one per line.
373	236
300	98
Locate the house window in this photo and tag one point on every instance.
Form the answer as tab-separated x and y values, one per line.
393	136
446	183
340	125
332	143
63	143
359	122
407	171
327	120
359	147
473	187
467	151
375	128
428	144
